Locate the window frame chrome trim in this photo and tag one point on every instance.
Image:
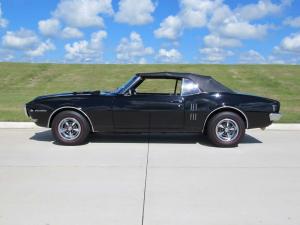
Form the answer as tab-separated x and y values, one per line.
224	107
138	78
70	107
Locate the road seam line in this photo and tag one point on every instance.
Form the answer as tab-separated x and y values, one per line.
145	182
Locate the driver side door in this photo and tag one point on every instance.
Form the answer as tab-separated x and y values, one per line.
131	113
164	103
154	104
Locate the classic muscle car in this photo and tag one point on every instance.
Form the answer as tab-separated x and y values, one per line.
155	102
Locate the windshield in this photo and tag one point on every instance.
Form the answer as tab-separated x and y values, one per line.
126	85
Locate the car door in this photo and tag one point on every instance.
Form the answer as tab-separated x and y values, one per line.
167	113
155	104
130	112
163	102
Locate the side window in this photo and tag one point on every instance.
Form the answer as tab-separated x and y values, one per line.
158	86
189	87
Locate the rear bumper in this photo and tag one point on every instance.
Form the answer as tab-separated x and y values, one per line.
274	116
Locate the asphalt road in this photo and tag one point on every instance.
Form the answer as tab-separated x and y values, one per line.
156	180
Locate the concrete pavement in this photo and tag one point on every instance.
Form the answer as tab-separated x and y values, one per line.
151	180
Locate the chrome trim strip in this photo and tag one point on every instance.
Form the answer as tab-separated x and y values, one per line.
194	107
275	116
40	110
71	107
224	107
193	116
132	84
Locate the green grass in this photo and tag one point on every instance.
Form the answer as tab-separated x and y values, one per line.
21	82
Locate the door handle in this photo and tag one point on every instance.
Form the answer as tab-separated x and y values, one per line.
177	101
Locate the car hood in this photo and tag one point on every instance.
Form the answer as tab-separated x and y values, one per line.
68	94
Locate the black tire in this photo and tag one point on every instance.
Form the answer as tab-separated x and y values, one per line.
217	135
80	130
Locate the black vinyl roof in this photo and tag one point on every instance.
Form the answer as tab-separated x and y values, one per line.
205	83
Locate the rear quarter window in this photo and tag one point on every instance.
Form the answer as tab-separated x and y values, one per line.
189	87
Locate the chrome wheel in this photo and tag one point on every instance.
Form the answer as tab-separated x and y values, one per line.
69	128
227	130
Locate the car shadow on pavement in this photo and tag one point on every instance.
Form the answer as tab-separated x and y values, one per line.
162	138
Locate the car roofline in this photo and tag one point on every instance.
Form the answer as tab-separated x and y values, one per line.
167	74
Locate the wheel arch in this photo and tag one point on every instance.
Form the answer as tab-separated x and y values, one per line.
69	108
225	109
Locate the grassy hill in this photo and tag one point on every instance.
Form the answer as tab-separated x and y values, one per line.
20	82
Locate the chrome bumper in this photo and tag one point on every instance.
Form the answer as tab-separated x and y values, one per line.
275	116
25	111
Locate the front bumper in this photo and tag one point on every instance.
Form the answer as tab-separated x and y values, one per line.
25	111
28	114
274	116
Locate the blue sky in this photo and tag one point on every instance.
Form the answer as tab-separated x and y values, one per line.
150	31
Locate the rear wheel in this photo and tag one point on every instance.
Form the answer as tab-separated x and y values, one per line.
70	128
226	129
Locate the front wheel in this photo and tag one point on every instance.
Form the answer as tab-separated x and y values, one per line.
70	128
226	129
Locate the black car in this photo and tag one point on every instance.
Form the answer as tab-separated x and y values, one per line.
155	102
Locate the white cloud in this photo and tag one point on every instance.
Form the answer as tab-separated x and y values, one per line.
41	49
26	41
287	52
293	22
168	56
259	10
83	13
135	12
214	40
142	61
236	23
132	49
3	22
289	44
252	57
220	19
283	58
194	13
49	27
214	55
71	32
293	59
170	28
74	14
20	40
227	23
52	28
6	55
86	51
243	30
276	60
